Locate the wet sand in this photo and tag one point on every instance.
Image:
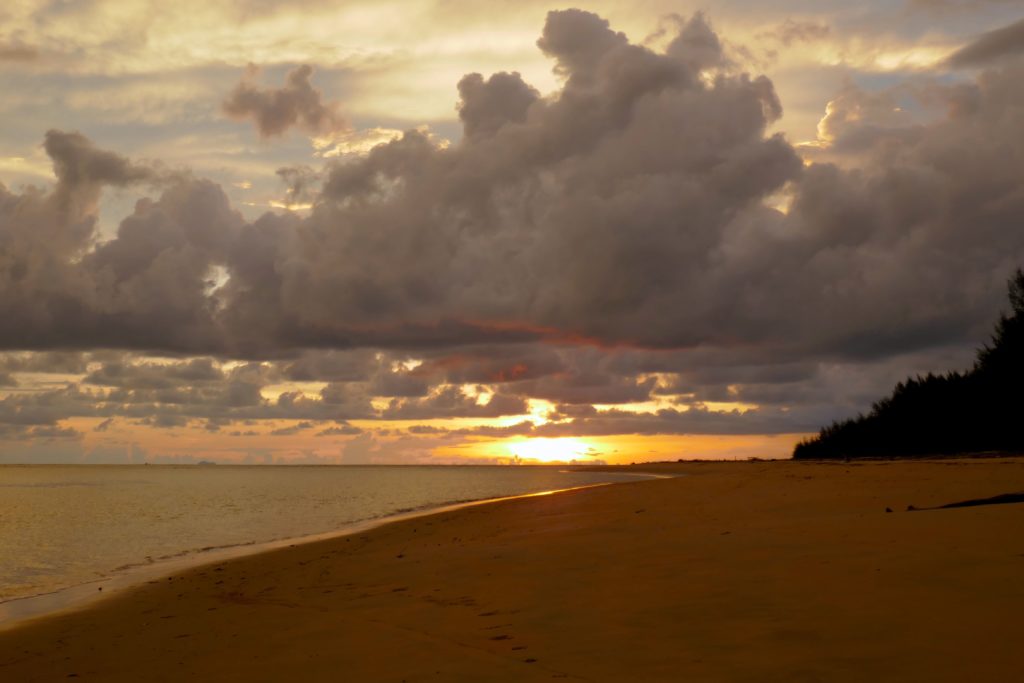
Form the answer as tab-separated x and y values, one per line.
737	572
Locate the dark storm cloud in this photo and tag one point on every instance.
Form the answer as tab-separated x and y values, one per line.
149	281
561	223
225	402
274	110
71	362
155	376
393	384
495	363
330	366
559	374
451	402
991	47
586	386
518	233
199	392
628	209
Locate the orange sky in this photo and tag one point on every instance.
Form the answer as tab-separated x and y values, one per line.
118	442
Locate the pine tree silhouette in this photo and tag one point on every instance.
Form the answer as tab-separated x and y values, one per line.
977	411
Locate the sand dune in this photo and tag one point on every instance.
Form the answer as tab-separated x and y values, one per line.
738	572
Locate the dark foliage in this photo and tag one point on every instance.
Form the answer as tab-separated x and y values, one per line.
977	411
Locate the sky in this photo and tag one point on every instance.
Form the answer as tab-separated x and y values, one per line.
424	231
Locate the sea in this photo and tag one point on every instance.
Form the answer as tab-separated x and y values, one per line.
67	531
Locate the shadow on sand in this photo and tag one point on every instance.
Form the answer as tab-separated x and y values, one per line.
1002	499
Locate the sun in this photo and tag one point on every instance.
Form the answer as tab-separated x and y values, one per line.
561	449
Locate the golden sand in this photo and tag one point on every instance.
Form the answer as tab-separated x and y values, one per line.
738	572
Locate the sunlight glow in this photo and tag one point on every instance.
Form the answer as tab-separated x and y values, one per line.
564	449
539	410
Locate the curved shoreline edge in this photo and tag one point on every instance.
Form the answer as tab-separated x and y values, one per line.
20	611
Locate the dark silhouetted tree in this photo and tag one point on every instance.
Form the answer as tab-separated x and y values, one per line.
978	411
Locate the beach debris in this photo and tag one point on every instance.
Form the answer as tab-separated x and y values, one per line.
911	508
888	509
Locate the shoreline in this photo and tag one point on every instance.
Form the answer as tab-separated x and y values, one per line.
18	611
742	572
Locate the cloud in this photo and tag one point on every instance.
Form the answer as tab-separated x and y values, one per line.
677	422
300	184
525	259
343	429
494	363
407	384
154	375
990	47
47	433
487	105
695	420
204	394
528	258
794	31
223	402
856	118
291	429
958	5
586	379
697	45
331	365
68	362
17	52
452	401
631	208
82	170
44	433
275	110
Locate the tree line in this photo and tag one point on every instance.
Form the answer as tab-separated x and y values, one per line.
980	410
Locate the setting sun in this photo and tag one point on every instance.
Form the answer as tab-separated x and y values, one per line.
563	449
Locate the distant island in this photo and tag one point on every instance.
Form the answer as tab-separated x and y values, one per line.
206	462
977	411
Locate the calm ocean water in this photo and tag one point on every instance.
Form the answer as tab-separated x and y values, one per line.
62	526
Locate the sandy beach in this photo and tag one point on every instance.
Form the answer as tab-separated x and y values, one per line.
763	571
